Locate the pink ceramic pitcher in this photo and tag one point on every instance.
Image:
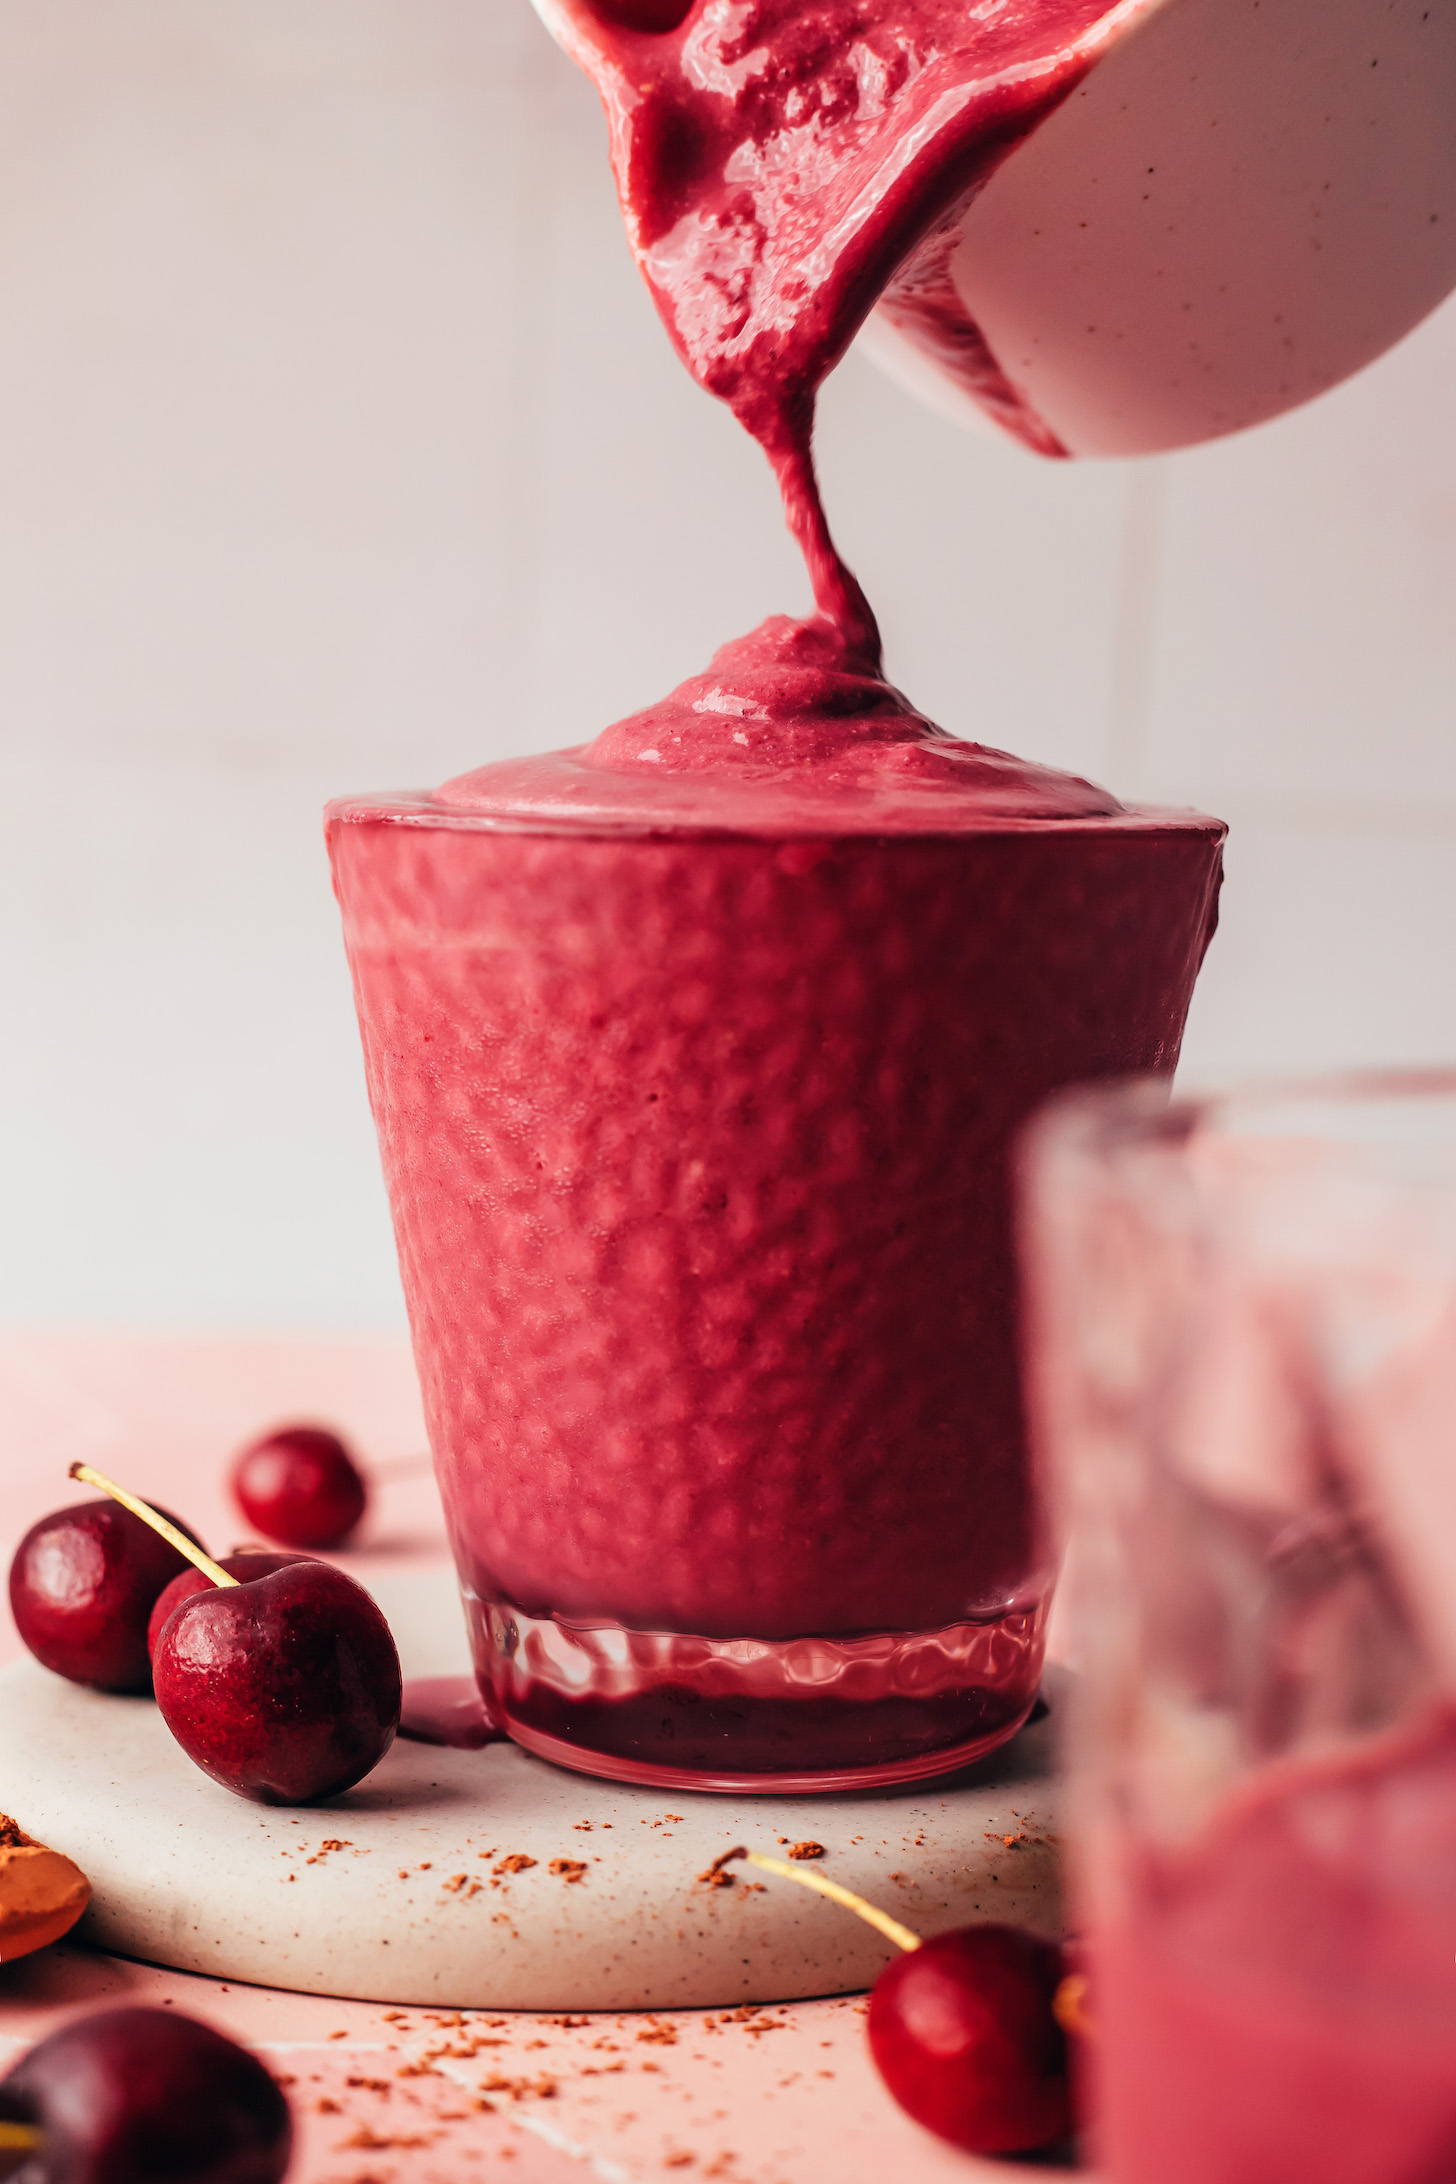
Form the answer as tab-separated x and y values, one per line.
1242	203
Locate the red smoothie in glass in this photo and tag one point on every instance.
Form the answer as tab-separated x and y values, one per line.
695	1056
695	1053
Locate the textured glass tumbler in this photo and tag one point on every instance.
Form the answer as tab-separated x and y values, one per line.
696	1148
1243	1325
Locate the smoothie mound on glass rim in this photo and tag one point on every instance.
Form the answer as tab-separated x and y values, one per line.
695	1052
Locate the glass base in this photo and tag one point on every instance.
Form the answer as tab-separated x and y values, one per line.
766	1716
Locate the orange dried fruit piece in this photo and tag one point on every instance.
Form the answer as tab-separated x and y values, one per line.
42	1893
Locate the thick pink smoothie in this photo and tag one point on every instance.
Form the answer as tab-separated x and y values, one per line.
1280	2003
695	1055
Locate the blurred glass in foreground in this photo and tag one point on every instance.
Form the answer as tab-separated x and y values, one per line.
1242	1316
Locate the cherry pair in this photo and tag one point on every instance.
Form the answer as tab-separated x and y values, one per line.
83	1580
277	1674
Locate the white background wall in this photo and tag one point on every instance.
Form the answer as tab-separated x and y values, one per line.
340	448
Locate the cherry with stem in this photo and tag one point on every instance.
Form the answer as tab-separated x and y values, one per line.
302	1485
283	1686
969	2028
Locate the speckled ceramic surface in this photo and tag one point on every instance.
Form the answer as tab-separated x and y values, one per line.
493	1879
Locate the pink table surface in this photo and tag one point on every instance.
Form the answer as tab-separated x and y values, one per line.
781	2095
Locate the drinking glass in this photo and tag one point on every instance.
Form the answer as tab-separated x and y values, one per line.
696	1145
1242	1327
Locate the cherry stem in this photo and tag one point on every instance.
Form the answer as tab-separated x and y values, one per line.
1069	2007
19	2142
400	1467
158	1523
902	1936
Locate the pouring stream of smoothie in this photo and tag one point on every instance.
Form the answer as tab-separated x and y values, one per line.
779	165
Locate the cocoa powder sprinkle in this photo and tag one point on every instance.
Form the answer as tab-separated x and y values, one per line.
717	1874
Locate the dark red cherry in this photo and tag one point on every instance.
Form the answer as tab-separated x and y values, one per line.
139	2096
963	2033
284	1688
301	1487
82	1585
247	1562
